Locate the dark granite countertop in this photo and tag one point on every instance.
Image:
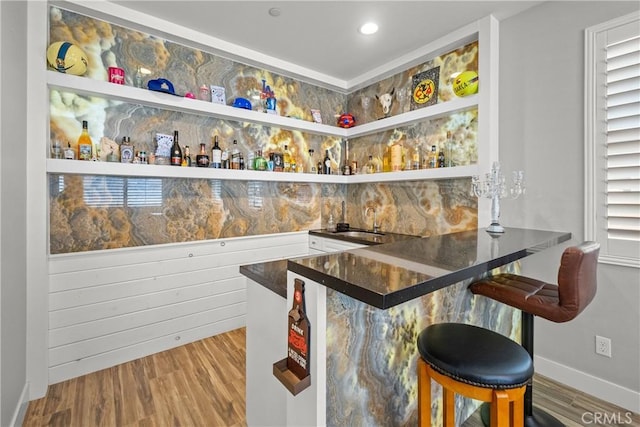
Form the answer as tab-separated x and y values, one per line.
389	274
272	275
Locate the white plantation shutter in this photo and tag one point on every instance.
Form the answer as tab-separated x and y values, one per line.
613	139
622	105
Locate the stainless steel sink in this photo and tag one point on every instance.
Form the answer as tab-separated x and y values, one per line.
360	234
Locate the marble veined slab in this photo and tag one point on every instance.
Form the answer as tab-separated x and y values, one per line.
372	355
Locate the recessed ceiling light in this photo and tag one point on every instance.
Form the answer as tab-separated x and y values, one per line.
274	11
368	28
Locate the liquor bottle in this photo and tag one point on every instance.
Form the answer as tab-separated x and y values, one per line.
326	165
433	158
396	156
377	164
441	159
186	160
448	150
346	167
286	159
85	145
369	167
202	159
260	163
226	161
298	334
235	156
415	158
176	151
216	154
251	160
278	161
386	159
312	162
69	154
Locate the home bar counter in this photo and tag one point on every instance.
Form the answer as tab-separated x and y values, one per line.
366	308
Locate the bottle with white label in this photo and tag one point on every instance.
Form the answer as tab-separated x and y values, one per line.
69	152
216	154
326	166
312	162
235	156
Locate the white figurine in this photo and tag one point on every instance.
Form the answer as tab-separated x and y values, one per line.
385	100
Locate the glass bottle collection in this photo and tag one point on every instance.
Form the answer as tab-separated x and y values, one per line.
395	157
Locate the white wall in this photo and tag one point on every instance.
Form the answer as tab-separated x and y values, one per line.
13	119
542	132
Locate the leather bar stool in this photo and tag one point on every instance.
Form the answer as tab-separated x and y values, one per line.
476	363
576	288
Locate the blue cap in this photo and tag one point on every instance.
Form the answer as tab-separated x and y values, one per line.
242	103
161	85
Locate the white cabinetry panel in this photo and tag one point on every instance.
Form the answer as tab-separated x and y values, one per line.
109	307
319	244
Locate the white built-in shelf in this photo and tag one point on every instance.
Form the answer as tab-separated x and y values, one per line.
80	167
91	87
431	112
87	86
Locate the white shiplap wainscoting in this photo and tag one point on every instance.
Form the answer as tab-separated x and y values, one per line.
113	306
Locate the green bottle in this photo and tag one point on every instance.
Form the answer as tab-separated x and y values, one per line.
260	163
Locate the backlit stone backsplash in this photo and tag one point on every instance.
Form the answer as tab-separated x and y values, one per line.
98	212
104	212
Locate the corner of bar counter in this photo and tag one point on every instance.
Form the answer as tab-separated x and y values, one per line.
366	307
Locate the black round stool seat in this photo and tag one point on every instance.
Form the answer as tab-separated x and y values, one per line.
475	356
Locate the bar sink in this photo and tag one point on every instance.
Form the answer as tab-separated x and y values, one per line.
364	237
360	234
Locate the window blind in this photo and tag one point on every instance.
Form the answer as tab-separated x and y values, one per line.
622	113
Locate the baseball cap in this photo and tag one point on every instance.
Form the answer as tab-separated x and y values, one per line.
161	85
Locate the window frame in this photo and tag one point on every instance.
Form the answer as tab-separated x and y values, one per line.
595	150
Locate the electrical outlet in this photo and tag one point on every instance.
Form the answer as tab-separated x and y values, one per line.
603	346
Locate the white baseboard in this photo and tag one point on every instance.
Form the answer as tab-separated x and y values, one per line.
597	387
21	408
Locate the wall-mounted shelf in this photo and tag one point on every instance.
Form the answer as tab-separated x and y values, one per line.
87	86
164	101
431	112
79	167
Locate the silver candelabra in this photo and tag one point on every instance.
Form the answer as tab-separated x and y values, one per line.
494	187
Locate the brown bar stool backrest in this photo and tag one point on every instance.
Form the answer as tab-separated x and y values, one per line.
576	286
577	279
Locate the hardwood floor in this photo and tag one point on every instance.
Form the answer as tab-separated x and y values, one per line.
203	384
198	384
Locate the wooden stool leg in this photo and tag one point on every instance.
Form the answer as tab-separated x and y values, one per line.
517	411
500	407
449	407
424	395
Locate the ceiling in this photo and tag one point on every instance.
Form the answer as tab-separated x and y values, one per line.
323	35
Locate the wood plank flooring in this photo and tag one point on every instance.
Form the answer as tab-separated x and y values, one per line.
198	384
203	384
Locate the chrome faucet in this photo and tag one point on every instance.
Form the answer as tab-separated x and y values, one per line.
376	226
